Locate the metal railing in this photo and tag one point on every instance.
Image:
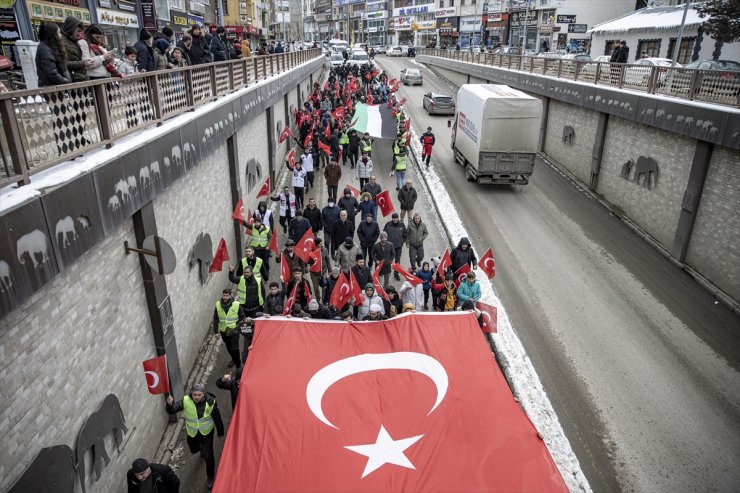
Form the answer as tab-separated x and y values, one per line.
712	86
46	126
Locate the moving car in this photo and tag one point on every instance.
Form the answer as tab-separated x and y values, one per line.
395	51
439	104
411	77
336	60
358	57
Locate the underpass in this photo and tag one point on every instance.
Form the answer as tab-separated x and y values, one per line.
639	361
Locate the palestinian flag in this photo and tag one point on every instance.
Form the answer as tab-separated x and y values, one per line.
375	119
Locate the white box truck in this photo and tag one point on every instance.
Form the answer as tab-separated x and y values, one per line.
496	133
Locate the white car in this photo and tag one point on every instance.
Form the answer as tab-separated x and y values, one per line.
396	51
640	75
358	57
336	60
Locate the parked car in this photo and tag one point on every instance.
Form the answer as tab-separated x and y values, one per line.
729	66
379	49
579	57
336	60
638	73
550	55
718	79
395	51
411	77
507	50
404	50
439	104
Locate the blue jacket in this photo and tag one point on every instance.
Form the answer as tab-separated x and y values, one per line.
368	208
468	291
425	276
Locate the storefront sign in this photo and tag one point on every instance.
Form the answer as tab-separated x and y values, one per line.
117	18
105	3
372	29
195	19
423	25
126	6
416	9
445	12
447	25
45	11
517	18
402	23
491	7
470	24
377	7
149	14
8	34
566	19
577	28
179	18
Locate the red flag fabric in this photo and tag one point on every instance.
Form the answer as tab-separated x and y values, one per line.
414	403
238	214
356	289
324	147
284	269
369	98
250	218
415	281
338	113
157	378
383	199
490	317
326	86
265	190
305	245
316	264
376	282
342	292
392	82
444	264
355	192
221	255
461	274
291	300
308	139
402	102
327	132
285	134
407	125
488	264
273	246
349	106
291	161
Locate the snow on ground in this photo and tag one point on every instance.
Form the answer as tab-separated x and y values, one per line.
513	358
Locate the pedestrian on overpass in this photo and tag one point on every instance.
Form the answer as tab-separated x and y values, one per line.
427	142
202	415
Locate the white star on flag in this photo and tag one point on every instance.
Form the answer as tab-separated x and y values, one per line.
385	450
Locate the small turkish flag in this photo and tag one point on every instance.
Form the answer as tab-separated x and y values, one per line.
291	160
402	102
383	199
249	219
284	270
349	106
291	300
444	263
327	132
273	246
488	264
490	317
415	281
265	190
324	147
308	139
316	264
379	287
221	255
461	274
238	214
338	113
356	289
355	192
285	134
392	82
407	125
155	371
342	292
298	117
305	245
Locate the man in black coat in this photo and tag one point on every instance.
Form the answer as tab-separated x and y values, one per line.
372	187
368	232
298	226
362	273
397	236
219	45
341	230
144	52
463	254
313	214
200	51
156	478
354	150
230	382
624	53
384	250
329	216
349	203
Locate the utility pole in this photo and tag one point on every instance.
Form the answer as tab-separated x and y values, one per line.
526	21
677	49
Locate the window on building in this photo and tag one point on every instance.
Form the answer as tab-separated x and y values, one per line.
441	4
177	4
651	47
226	7
452	3
684	52
462	2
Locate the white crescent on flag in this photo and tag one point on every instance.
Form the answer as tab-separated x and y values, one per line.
334	372
155	378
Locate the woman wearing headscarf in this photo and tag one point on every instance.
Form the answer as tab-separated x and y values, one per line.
93	48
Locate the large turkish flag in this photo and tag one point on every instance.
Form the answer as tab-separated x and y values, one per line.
415	403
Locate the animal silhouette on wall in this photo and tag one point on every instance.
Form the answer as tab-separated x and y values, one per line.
66	229
5	281
254	174
646	169
626	168
34	245
53	468
108	417
202	254
569	135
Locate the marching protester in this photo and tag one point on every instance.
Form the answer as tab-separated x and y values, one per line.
341	230
407	197
469	289
313	215
350	205
384	251
427	142
287	207
364	169
145	476
396	231
226	317
329	216
368	233
416	234
372	187
462	255
332	174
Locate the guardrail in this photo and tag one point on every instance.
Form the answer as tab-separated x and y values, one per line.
44	127
712	86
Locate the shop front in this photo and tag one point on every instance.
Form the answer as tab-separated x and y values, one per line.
376	27
178	22
497	29
40	11
403	17
470	31
9	34
447	29
121	27
426	32
518	27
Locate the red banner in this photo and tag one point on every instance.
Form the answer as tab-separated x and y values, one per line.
415	403
342	292
157	378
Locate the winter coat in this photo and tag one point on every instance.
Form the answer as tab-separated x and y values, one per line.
342	230
333	173
468	291
285	202
373	190
364	170
185	51
200	408
363	276
350	205
354	140
364	309
246	49
407	197
75	64
314	217
412	294
145	56
302	295
329	216
97	69
623	55
385	252
416	233
252	290
396	233
298	227
50	70
164	480
199	50
219	49
346	257
442	297
274	304
125	67
368	207
425	276
232	386
368	233
294	262
461	257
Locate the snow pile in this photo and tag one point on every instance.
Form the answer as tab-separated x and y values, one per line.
512	356
649	19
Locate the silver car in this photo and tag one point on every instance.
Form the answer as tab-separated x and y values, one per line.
439	104
411	77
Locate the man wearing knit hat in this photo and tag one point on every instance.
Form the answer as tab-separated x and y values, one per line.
144	52
159	478
202	416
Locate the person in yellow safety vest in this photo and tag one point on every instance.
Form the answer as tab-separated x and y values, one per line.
251	260
250	294
226	317
366	145
261	235
201	415
344	142
399	163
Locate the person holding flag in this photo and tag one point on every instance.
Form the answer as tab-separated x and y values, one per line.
371	298
447	294
384	251
202	417
469	289
250	293
462	255
298	289
260	256
319	269
287	207
308	166
226	316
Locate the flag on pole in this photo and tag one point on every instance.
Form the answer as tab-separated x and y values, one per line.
383	199
291	160
342	292
315	256
291	299
461	274
338	113
356	289
379	287
355	192
415	281
308	139
265	190
221	255
444	263
155	371
273	246
305	245
284	269
285	134
490	317
238	214
488	264
324	147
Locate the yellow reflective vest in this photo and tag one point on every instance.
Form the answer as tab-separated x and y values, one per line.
227	320
193	424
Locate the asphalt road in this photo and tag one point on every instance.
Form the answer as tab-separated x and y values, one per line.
640	362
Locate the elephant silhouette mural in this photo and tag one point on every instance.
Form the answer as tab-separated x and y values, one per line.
647	169
254	174
202	254
52	471
569	135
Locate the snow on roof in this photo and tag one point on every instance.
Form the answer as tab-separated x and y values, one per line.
649	19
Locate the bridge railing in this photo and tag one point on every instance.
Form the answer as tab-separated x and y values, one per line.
712	86
46	126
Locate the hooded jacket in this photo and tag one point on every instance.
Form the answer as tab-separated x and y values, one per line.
461	257
76	66
199	50
368	207
219	48
349	204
